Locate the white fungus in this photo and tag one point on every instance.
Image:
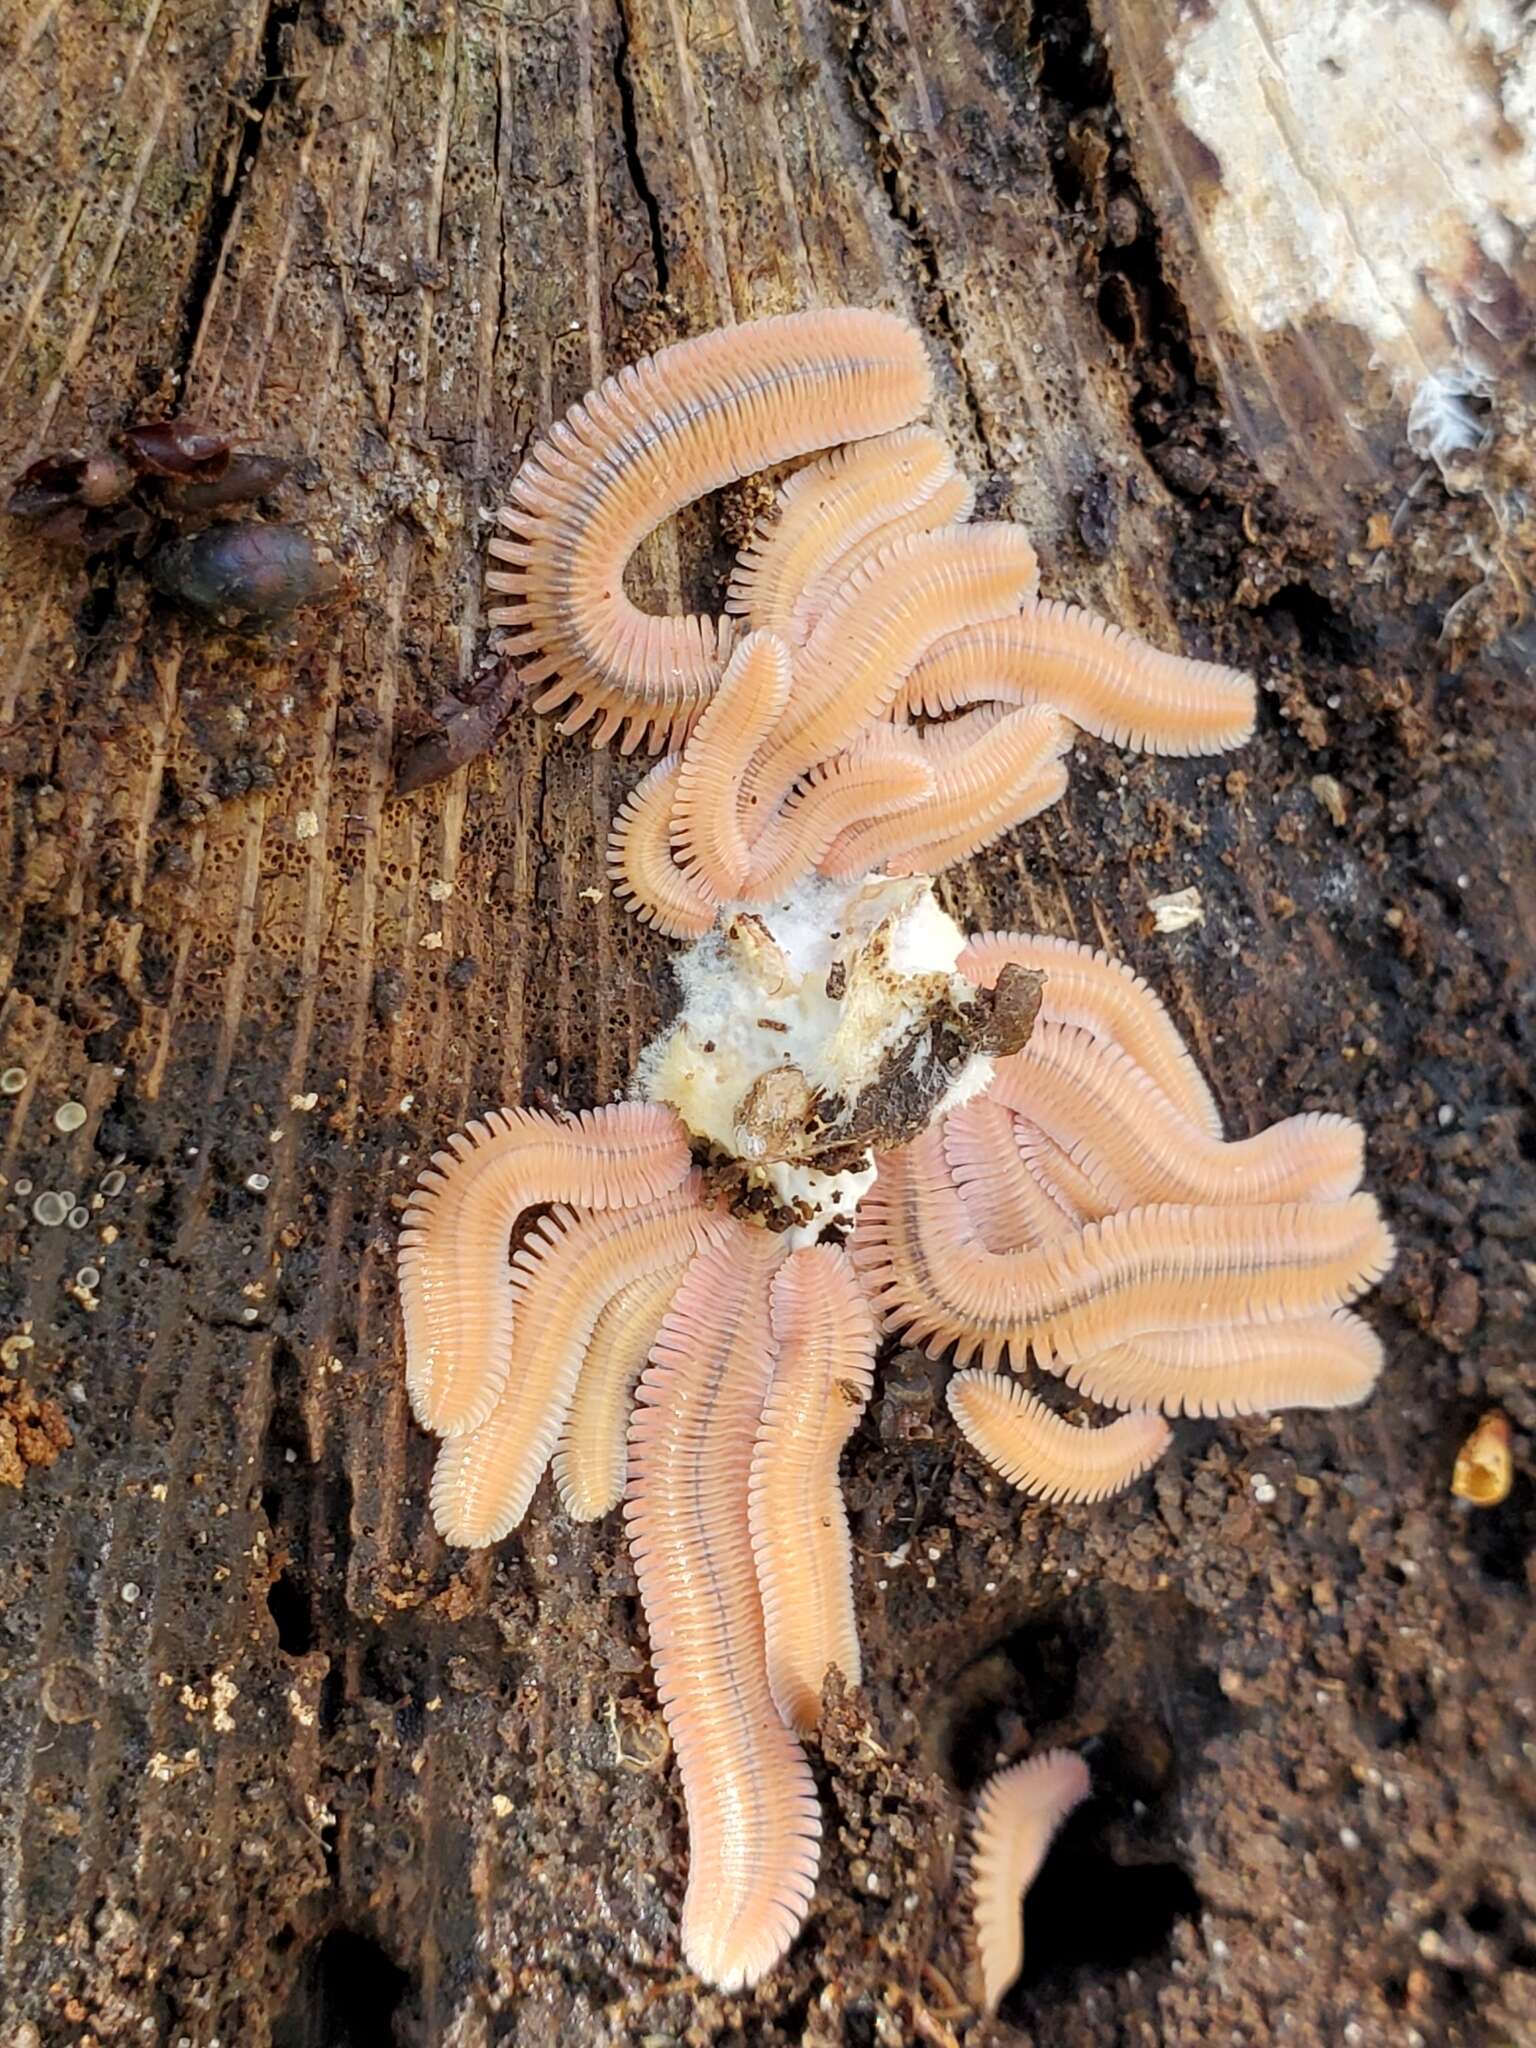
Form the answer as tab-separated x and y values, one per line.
1378	171
792	1016
1176	912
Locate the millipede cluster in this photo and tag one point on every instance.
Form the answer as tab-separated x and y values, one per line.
885	690
883	693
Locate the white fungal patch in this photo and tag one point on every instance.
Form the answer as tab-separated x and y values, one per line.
792	1018
1378	167
1442	420
1176	912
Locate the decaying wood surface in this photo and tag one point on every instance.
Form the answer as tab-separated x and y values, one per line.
279	1768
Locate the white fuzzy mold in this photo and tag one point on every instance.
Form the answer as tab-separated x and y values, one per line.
816	1033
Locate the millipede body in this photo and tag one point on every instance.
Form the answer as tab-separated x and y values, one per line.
859	1121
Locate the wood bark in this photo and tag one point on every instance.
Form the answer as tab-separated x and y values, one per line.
282	1769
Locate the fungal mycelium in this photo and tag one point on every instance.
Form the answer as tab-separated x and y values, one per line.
858	1120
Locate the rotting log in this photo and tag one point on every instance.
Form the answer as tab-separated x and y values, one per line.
286	1770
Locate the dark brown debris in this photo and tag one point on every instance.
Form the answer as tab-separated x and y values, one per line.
466	733
247	476
160	469
924	1064
1015	1004
69	479
247	569
177	448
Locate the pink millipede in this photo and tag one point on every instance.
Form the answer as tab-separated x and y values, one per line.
1329	1361
706	831
881	775
1089	989
1017	1814
564	1276
754	1826
593	1451
647	441
455	1235
824	1339
1100	1107
1043	1454
832	514
990	772
1098	675
1007	1205
886	613
646	878
1068	1180
1154	1268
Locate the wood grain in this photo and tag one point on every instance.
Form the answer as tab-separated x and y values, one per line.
284	1769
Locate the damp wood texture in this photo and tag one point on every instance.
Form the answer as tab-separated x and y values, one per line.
285	1767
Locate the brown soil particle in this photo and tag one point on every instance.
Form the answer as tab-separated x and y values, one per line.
33	1432
439	1809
